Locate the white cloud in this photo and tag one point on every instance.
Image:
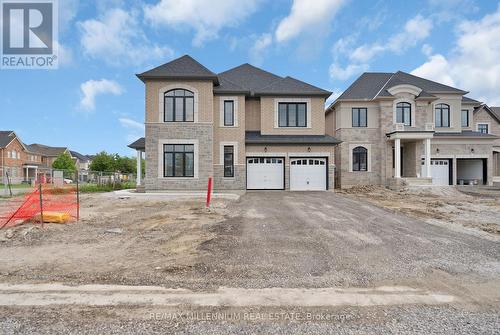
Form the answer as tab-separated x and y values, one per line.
206	18
262	43
337	72
306	15
92	88
67	12
336	93
415	30
117	38
474	64
131	124
427	49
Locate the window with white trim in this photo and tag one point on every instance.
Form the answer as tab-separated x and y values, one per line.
483	128
292	114
228	113
359	117
360	159
179	106
465	118
403	113
228	161
442	115
178	160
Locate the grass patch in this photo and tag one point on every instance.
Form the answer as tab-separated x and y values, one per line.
16	186
94	188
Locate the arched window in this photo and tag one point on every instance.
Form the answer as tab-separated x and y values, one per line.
360	159
403	113
442	115
179	106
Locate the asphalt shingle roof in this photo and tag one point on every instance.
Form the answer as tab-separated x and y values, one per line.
470	100
184	67
81	158
496	111
45	150
255	137
371	85
247	78
6	136
140	144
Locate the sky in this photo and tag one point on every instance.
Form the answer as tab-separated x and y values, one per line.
94	101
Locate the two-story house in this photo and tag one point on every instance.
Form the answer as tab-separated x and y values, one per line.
17	161
245	127
399	129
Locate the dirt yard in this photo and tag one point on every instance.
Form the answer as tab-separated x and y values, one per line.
131	240
477	208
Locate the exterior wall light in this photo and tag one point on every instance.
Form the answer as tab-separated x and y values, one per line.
265	149
472	150
309	149
437	150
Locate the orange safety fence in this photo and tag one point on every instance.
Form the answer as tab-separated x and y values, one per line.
31	206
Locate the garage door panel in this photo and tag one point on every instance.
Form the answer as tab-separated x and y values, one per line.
440	171
265	173
308	174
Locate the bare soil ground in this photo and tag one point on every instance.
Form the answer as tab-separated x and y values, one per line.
477	208
133	241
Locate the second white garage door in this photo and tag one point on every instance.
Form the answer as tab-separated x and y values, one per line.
308	174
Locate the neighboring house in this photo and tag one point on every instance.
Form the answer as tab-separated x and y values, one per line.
487	120
399	129
48	154
17	160
82	162
245	127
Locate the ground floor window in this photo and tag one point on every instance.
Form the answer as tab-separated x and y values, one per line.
228	161
360	159
178	160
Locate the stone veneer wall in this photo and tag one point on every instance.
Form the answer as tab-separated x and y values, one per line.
189	131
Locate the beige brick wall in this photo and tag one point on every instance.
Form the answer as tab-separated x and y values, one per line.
230	134
269	115
204	98
252	114
482	116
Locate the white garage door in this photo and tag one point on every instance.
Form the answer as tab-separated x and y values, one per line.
265	173
440	171
308	174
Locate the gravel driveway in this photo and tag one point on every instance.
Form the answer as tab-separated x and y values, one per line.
303	242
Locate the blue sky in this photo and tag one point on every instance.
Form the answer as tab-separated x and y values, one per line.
94	102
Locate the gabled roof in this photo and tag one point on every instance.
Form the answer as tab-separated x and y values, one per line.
79	156
372	85
184	67
252	80
6	136
493	111
45	150
496	112
139	144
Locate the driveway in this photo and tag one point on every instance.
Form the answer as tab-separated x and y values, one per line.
295	239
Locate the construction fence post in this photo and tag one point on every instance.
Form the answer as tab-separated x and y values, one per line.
77	196
41	203
209	192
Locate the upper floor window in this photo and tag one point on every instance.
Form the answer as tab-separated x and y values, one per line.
359	117
179	106
403	113
442	115
360	159
465	118
228	113
483	128
292	114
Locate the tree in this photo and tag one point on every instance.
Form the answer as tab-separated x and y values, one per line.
64	162
126	164
103	162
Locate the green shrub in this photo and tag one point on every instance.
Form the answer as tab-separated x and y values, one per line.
94	188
